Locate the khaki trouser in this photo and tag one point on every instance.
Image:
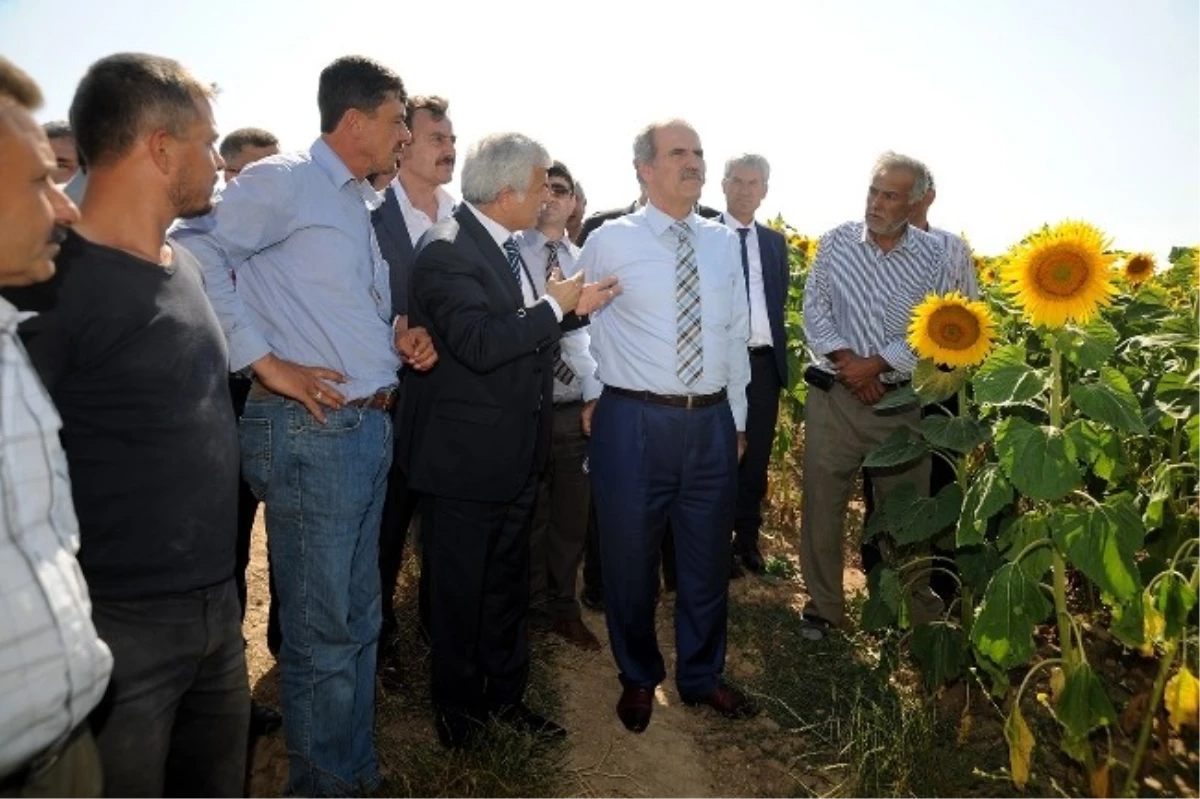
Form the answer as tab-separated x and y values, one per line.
76	772
839	432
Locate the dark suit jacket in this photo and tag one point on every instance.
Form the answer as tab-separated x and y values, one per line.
476	425
600	217
772	249
395	244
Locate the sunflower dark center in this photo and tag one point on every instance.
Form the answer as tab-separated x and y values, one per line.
954	328
1061	274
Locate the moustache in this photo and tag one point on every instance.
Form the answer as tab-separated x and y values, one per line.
58	234
692	173
446	162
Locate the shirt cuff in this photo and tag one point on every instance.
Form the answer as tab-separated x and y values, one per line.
900	357
591	387
245	347
822	347
558	314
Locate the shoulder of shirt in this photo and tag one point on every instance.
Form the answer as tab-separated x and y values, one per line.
847	231
618	226
926	240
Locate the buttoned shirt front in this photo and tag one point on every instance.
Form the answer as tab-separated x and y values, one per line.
53	667
760	324
860	298
575	344
635	337
416	220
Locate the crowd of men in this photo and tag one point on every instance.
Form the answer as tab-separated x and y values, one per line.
334	335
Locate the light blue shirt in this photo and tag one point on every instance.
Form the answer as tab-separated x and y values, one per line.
292	267
634	338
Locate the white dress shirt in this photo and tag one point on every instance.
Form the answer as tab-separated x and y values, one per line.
53	666
501	234
575	344
416	220
635	337
760	324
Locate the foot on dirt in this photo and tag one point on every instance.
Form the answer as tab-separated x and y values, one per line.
634	708
726	700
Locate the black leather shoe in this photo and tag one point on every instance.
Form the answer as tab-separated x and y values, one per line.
634	708
264	720
752	559
522	719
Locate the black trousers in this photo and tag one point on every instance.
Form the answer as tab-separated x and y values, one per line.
478	559
762	399
941	474
399	508
239	388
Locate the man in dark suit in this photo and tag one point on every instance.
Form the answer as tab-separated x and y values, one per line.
474	434
413	201
765	268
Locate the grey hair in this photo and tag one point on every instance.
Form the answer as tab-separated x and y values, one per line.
922	178
751	160
579	192
645	149
498	162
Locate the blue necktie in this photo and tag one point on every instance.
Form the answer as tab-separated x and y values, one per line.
515	262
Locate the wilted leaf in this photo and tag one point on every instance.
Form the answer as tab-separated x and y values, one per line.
898	449
1005	378
940	650
1020	746
1012	605
1083	707
1101	541
1174	599
1098	780
1129	622
1058	681
987	493
1182	699
1039	460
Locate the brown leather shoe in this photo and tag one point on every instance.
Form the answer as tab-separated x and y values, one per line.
726	700
576	633
634	708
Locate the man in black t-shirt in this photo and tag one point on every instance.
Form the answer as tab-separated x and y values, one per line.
136	363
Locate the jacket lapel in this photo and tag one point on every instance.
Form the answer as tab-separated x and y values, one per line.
492	253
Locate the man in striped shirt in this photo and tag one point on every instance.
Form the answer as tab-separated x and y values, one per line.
858	300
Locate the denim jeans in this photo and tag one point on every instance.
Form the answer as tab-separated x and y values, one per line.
324	487
176	716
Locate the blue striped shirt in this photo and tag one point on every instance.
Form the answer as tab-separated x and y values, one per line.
858	297
295	231
962	265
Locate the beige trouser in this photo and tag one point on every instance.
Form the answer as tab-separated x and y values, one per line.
839	432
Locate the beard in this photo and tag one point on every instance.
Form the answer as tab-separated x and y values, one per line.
191	196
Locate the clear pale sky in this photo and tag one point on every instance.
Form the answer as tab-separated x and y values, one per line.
1027	111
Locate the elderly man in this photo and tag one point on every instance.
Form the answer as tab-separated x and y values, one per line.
53	667
414	199
475	432
667	431
135	360
858	300
312	316
765	269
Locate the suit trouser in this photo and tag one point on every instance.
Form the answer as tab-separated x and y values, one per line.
560	519
399	508
478	557
839	432
762	414
652	463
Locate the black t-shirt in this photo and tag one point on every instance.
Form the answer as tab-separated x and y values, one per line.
137	365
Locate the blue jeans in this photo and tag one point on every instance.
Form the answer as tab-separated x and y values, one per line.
324	486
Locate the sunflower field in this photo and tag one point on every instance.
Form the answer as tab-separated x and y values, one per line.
1073	522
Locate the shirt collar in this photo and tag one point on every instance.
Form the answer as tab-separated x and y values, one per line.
444	199
660	222
733	224
339	174
496	230
907	241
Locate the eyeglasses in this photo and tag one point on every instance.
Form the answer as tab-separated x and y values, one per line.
559	190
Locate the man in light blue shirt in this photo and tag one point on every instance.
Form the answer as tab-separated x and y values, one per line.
667	429
311	314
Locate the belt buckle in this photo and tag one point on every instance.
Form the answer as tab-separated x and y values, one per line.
691	398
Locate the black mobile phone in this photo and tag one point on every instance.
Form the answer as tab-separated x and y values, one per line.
819	378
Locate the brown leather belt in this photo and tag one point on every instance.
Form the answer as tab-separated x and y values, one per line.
383	400
688	401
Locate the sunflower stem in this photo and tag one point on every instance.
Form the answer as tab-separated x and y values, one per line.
1060	566
1135	765
967	607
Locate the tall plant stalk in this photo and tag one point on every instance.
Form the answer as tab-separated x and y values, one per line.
1066	645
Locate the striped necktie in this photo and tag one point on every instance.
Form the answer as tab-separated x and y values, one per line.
515	262
562	372
689	363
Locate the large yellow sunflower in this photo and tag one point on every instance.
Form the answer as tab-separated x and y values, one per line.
1139	268
1061	274
951	330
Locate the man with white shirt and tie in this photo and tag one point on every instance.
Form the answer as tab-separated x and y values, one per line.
561	509
765	269
667	431
413	202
